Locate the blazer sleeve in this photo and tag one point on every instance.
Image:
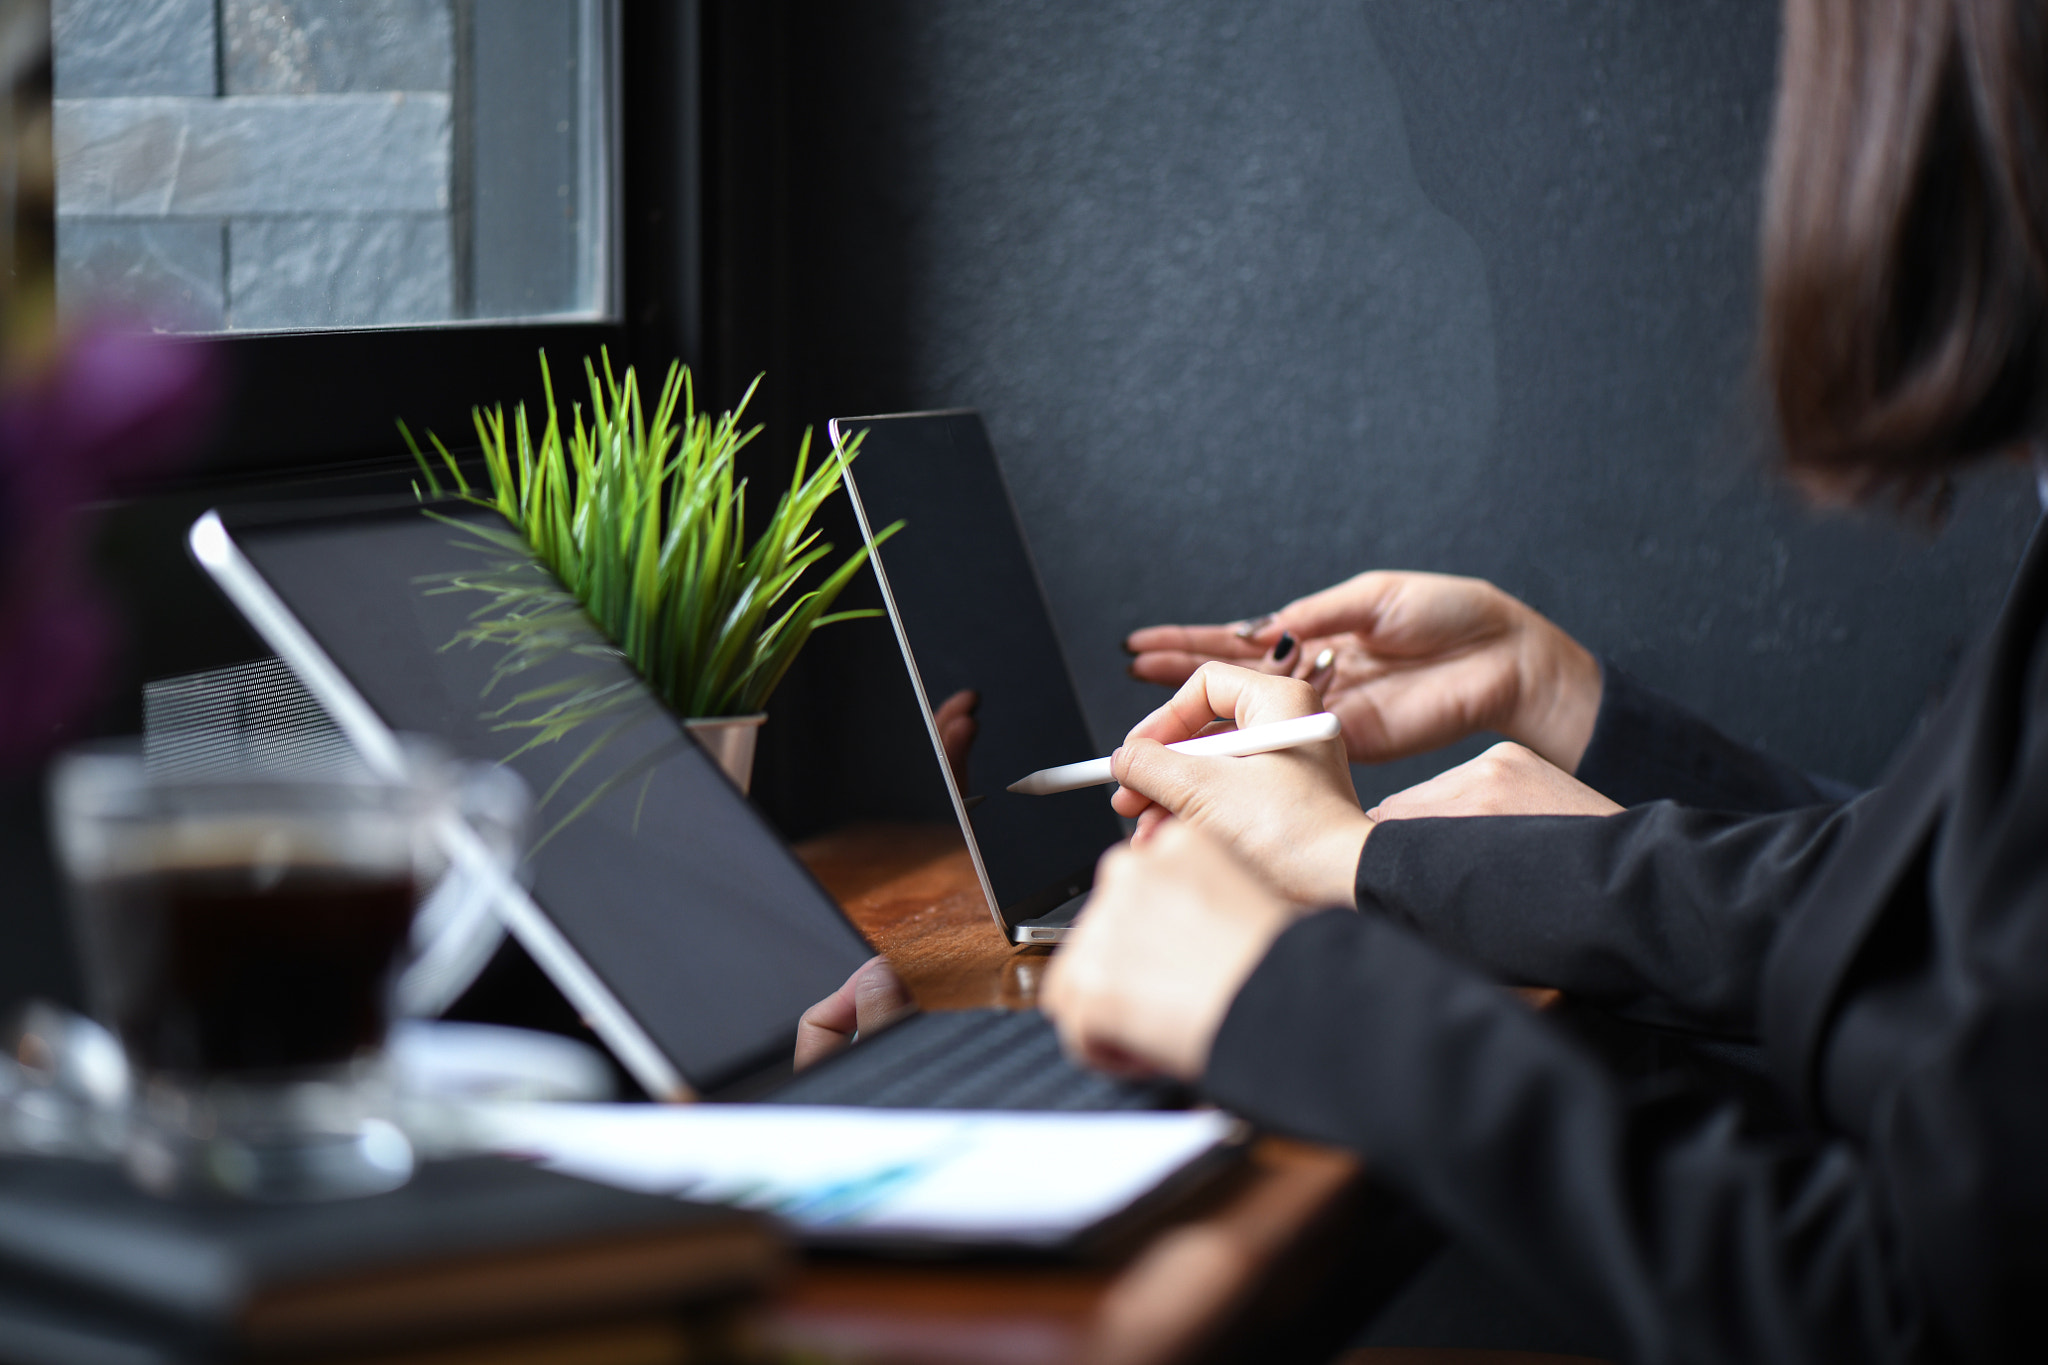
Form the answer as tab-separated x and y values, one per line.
1661	913
1654	1215
1646	747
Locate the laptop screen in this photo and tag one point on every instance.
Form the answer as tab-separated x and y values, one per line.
673	889
970	605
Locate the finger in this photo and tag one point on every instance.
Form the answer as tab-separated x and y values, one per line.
879	997
1226	691
1132	805
817	1039
1263	629
1208	642
1158	774
1151	822
1314	663
829	1025
815	1042
1170	667
1353	605
1265	663
1180	718
1172	839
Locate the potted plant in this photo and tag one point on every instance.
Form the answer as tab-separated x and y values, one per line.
642	516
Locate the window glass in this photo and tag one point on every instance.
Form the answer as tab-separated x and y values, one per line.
285	165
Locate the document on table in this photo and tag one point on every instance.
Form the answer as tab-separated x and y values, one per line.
968	1177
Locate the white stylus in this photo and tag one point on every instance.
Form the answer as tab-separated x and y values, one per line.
1260	739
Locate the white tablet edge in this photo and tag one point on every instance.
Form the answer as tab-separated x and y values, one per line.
260	605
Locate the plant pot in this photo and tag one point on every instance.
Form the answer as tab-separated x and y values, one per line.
730	740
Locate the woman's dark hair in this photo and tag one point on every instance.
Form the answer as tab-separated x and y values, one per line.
1905	237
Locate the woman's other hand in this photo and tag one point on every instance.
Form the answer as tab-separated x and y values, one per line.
1505	780
1292	816
1173	928
870	1000
1410	662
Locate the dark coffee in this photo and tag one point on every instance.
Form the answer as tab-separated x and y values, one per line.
221	969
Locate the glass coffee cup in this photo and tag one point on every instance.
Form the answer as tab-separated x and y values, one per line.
241	929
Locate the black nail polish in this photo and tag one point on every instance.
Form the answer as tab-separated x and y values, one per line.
1283	647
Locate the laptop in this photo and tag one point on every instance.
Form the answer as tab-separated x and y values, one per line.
661	903
970	615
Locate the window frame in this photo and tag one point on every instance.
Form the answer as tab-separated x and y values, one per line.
326	403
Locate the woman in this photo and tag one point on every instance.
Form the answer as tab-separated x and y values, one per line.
1890	952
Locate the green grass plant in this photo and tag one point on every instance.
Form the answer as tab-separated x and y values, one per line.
642	516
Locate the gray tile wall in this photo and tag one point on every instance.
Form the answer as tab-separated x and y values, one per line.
306	47
256	163
173	263
133	47
364	271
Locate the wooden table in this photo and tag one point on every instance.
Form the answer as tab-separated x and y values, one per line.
1279	1261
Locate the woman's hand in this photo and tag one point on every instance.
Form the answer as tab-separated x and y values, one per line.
1505	780
1292	816
1410	662
1173	928
870	1000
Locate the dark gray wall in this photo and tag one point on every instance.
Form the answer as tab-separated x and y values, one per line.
1255	297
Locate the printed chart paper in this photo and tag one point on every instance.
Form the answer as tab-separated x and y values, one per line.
949	1175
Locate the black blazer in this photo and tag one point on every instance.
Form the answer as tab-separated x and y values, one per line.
1889	951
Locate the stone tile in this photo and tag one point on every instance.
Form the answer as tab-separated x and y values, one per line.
304	47
261	154
339	272
133	47
170	273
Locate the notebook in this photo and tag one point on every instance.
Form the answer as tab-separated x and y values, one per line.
473	1246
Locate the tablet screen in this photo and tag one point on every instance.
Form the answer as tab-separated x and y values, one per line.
673	889
969	602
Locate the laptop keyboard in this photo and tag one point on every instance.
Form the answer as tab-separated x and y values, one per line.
969	1059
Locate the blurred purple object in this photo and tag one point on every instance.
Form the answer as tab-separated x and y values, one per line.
114	406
